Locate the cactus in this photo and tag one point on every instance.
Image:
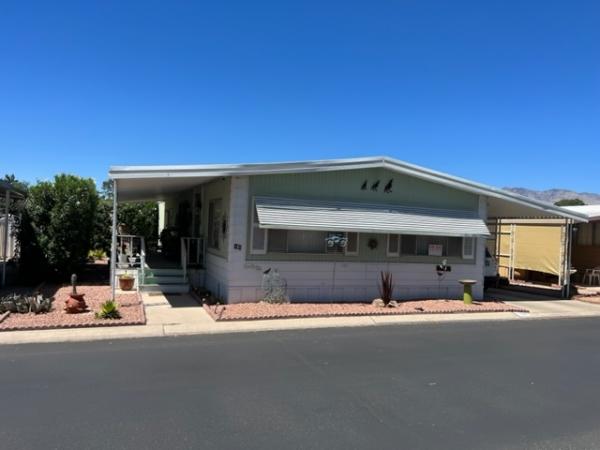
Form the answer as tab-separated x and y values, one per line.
23	304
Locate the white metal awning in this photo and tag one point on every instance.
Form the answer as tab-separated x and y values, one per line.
304	214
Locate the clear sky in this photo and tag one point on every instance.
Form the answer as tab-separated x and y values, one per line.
503	92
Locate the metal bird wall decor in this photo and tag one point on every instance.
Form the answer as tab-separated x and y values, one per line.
388	187
364	185
375	186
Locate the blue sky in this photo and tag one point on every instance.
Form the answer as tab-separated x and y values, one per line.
507	93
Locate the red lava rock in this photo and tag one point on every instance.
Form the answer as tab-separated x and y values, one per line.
130	306
263	310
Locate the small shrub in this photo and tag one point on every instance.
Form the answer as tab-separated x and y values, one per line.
108	310
386	287
96	254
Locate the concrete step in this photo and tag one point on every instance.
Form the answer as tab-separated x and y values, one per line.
172	279
164	272
180	288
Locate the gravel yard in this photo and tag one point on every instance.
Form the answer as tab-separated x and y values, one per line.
263	310
130	306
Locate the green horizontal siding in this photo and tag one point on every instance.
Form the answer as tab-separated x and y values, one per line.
346	186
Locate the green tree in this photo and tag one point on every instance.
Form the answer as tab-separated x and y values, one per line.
137	218
56	230
570	202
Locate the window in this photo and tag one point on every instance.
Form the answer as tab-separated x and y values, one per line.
277	242
301	241
351	248
393	245
432	246
468	248
258	236
408	245
214	223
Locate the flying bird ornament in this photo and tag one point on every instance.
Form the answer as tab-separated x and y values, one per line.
388	187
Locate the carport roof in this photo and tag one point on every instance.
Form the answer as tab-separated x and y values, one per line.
591	211
157	182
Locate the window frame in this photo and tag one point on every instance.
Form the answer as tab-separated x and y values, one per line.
256	226
398	245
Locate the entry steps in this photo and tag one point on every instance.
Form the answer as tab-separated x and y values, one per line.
166	281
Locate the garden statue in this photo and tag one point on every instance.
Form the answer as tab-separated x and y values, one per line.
75	303
274	286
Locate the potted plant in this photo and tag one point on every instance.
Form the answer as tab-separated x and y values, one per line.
126	281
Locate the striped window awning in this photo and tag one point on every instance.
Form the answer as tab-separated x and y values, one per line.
307	214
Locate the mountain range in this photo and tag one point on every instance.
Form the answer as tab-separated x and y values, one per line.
554	195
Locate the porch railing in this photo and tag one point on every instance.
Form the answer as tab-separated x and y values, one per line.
131	249
192	252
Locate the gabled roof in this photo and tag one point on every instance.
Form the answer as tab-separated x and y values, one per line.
591	211
203	173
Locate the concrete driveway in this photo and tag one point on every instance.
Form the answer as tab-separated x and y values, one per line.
541	307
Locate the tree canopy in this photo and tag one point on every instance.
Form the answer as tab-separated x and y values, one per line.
570	202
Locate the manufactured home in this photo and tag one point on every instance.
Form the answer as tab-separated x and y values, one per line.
327	228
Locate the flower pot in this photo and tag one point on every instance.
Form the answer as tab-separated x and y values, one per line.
126	284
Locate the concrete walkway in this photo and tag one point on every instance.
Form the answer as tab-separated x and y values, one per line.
177	315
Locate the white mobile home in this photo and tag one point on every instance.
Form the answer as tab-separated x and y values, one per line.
327	227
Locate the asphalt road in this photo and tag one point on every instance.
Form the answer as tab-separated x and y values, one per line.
530	384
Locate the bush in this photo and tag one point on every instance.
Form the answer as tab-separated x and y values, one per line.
108	310
137	218
56	228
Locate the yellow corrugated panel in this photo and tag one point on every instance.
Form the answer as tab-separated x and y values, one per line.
504	238
538	248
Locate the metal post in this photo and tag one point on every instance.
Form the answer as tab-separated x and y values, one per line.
569	232
113	247
5	239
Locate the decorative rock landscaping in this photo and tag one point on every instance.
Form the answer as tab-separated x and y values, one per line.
264	310
130	307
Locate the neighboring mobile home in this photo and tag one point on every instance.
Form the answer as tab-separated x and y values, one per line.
328	228
7	239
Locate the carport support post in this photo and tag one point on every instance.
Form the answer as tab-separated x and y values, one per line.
113	245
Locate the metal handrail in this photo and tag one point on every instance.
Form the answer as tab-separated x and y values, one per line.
142	277
192	257
183	258
129	239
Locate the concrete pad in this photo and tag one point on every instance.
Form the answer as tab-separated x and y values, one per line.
559	308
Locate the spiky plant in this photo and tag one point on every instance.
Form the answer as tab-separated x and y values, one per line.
386	287
108	310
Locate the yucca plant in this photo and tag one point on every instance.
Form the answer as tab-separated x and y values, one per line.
108	310
386	287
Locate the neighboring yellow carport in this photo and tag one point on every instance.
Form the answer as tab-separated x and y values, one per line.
530	244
